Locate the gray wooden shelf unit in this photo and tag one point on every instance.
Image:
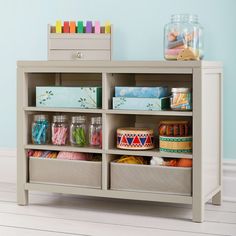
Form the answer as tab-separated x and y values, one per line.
205	79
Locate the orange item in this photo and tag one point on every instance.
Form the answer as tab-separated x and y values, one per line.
72	27
184	162
173	163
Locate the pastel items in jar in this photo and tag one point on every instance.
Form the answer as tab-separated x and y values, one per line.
95	132
78	131
79	136
60	130
60	135
40	129
183	38
96	138
181	99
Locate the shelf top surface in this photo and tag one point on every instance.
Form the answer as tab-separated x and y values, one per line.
102	65
110	111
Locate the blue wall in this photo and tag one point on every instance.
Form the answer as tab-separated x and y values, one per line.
138	35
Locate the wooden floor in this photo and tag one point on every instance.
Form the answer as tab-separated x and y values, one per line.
61	215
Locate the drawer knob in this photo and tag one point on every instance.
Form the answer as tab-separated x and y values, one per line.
79	55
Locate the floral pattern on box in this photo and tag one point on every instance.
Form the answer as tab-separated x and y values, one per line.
73	97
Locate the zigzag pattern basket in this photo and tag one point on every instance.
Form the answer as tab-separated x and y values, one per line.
135	138
176	144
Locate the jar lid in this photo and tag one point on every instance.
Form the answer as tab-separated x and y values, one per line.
59	118
180	90
173	122
184	18
96	120
78	119
40	117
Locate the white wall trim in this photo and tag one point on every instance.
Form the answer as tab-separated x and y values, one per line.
8	172
8	152
229	180
8	165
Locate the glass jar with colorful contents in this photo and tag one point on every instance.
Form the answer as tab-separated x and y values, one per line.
78	131
40	130
95	132
181	99
183	38
60	130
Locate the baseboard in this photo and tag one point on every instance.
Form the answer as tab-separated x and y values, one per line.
8	172
8	165
229	180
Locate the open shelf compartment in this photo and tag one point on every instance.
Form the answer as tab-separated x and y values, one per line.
144	80
49	146
59	79
115	121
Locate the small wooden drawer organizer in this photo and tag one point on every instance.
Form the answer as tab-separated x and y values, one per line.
79	46
194	186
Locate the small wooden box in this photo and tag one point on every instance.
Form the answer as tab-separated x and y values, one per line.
78	46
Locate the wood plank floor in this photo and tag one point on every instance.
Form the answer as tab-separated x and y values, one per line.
61	215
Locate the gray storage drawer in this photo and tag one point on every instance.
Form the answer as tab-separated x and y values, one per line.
80	55
65	172
129	177
80	43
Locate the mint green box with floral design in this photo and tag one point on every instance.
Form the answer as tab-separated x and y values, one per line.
73	97
145	104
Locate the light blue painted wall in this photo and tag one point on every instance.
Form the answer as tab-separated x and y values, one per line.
138	36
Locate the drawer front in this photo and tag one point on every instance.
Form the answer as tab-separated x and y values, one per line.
65	172
103	55
173	180
85	44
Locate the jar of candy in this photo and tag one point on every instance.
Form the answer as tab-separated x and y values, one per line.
181	99
78	131
40	130
60	130
171	128
183	38
95	132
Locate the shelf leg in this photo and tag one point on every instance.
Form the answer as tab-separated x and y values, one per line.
217	200
22	196
198	209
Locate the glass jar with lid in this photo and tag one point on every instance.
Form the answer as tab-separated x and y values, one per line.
95	132
183	38
60	130
181	99
78	131
40	130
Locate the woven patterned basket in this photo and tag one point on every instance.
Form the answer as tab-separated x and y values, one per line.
135	138
176	144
